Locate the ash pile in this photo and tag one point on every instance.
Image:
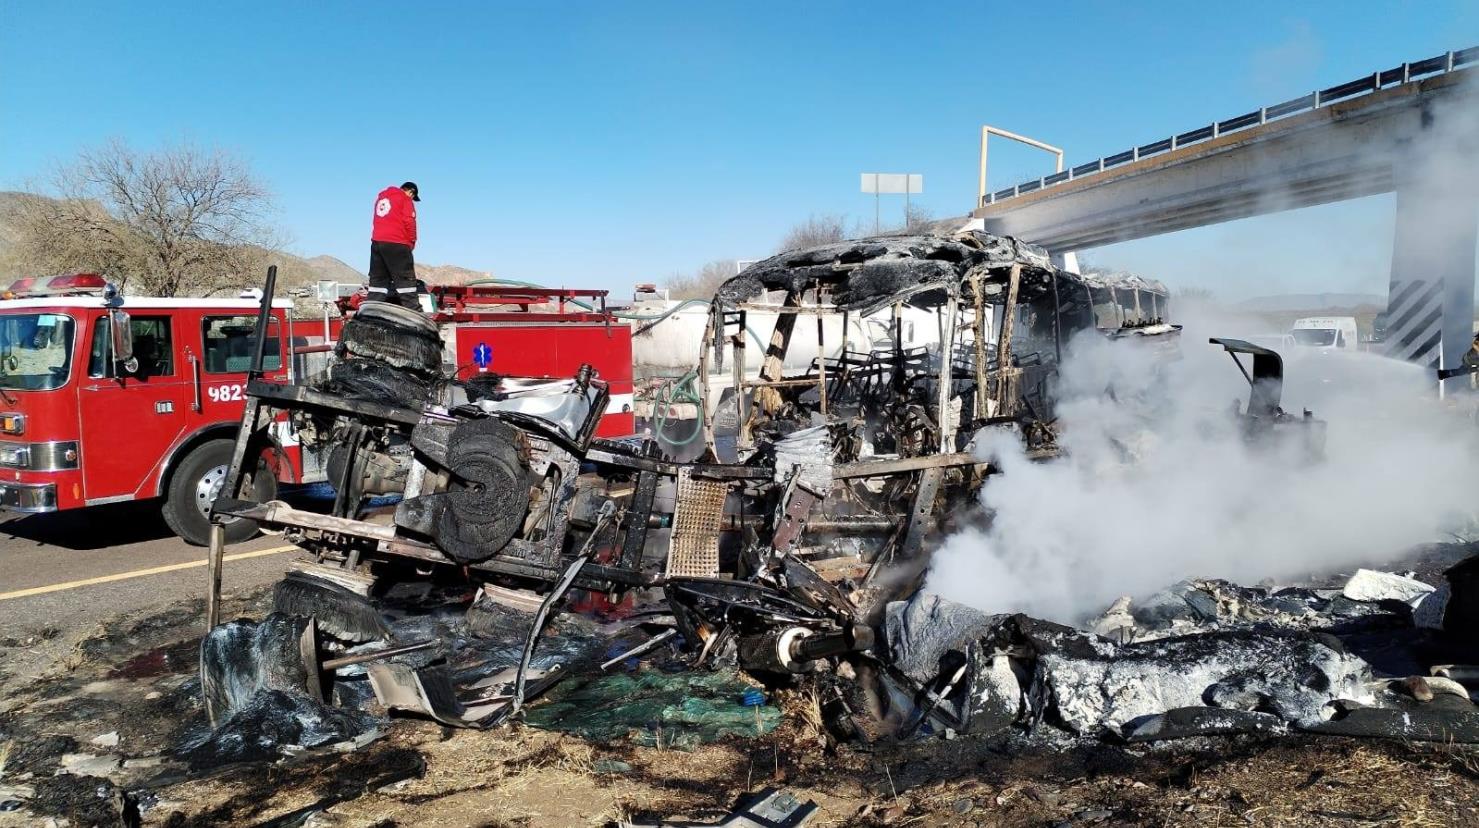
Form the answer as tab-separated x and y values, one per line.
1374	656
487	553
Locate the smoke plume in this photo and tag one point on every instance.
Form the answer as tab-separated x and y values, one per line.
1158	482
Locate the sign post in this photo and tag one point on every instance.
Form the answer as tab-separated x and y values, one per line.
892	183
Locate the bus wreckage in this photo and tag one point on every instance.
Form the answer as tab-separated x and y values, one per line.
794	545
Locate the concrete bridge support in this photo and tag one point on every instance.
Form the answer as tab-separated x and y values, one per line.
1430	305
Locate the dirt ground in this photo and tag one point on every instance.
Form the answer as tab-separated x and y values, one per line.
134	678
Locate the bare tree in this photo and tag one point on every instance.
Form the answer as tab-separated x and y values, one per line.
701	285
178	221
917	218
823	229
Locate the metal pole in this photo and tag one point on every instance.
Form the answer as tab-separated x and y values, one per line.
991	130
897	377
947	376
608	511
980	310
650	644
375	655
263	315
1057	327
214	560
981	198
822	354
1004	370
716	322
741	400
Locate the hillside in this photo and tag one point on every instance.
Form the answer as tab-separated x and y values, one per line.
295	273
1310	301
449	274
328	267
10	205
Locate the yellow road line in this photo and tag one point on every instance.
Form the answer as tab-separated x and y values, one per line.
137	573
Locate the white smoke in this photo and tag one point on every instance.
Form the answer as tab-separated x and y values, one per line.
1159	484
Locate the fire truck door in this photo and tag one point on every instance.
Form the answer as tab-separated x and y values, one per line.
130	419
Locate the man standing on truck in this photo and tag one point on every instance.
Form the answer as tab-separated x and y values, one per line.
392	265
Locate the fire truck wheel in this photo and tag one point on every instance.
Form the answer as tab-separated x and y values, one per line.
194	485
486	502
396	336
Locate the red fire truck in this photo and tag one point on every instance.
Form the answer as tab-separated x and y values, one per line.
534	332
521	331
106	398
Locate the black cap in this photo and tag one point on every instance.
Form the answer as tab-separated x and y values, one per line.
415	191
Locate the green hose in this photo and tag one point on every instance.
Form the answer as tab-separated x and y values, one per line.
680	390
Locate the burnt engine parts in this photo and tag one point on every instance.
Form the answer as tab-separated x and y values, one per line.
487	494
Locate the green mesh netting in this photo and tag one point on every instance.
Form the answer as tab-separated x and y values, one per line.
653	708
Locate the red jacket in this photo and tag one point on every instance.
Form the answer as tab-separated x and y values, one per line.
395	217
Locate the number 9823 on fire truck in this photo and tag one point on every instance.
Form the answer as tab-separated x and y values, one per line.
106	398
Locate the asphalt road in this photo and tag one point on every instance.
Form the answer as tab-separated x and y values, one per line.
51	565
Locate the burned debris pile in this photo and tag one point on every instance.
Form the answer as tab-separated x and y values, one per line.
1366	658
1019	670
484	545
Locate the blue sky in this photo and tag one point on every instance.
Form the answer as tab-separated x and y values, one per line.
603	144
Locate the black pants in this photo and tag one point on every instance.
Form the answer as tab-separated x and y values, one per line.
392	273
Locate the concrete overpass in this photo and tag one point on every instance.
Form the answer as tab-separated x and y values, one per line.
1413	130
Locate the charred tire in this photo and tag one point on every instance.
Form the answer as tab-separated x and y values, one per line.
396	336
339	612
364	379
489	494
194	485
396	316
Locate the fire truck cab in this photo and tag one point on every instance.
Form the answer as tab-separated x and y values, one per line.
106	398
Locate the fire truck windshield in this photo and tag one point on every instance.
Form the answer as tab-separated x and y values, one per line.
35	351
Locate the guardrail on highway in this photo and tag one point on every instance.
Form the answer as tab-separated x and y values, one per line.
1442	64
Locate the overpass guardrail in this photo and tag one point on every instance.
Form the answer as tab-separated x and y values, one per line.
1407	72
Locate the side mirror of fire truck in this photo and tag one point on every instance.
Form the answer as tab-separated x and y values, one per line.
123	341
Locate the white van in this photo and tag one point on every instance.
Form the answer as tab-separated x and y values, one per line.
1333	333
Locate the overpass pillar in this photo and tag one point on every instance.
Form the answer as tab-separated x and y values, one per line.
1430	302
1066	261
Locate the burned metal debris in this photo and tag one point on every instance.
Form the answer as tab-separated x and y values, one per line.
770	808
1202	658
1262	418
791	548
